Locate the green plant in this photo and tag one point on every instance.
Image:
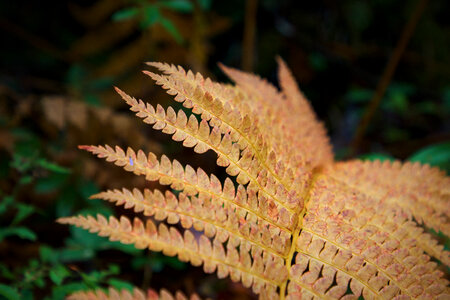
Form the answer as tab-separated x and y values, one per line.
289	221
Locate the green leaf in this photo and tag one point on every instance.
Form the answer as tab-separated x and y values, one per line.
437	155
377	156
120	284
27	143
87	188
21	232
24	180
58	273
92	100
5	203
66	201
50	183
23	211
22	163
52	166
62	291
5	272
359	95
76	76
48	254
26	294
399	101
317	61
183	6
125	14
87	240
205	4
70	255
9	292
170	27
151	16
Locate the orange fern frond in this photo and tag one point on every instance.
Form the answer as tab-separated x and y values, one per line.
289	222
229	120
255	271
308	134
422	192
197	182
232	225
136	294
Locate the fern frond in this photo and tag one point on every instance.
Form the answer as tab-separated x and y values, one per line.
217	90
420	191
238	263
191	133
197	182
136	294
362	242
296	225
297	136
254	85
228	119
310	134
226	223
386	221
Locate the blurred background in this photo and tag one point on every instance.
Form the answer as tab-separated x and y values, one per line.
376	72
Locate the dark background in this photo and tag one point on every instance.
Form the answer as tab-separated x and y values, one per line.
60	59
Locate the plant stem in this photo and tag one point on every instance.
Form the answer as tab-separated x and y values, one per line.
248	43
388	73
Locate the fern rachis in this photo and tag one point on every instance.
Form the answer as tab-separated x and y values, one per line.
296	224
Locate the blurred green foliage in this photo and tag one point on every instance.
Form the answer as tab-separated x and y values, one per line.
437	155
53	273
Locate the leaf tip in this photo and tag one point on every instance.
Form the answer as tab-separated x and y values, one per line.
85	147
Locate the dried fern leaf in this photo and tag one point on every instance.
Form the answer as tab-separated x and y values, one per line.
351	241
196	183
213	255
421	192
297	225
214	218
200	135
228	119
136	294
301	143
310	135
